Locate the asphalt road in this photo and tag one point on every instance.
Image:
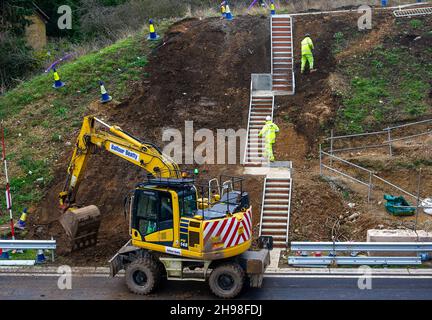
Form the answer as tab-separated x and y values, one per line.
274	288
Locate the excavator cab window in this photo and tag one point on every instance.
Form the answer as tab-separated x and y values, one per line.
146	209
153	211
188	202
166	212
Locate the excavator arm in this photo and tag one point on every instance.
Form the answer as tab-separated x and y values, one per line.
82	224
118	142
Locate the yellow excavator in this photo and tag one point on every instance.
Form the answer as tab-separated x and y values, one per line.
178	230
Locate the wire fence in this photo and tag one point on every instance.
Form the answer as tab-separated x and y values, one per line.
385	138
365	177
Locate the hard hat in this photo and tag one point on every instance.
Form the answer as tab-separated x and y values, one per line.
307	35
268	118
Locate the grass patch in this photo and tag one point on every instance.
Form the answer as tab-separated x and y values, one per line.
388	85
25	255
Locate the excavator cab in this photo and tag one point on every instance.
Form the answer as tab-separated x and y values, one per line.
167	215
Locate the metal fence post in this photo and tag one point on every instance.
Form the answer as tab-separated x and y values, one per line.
389	141
320	159
331	146
52	252
370	187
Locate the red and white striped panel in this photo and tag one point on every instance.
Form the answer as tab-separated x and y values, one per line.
227	231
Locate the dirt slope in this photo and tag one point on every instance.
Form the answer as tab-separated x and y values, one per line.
200	73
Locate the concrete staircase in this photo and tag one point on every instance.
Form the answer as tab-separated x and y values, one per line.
260	108
276	209
282	55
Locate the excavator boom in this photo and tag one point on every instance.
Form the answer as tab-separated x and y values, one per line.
81	225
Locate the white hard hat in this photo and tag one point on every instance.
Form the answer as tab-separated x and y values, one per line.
268	118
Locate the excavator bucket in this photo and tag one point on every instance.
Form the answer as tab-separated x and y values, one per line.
81	226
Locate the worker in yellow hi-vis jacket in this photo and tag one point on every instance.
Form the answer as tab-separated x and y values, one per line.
307	47
269	131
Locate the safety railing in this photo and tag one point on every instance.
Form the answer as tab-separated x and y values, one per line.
7	245
261	83
369	176
325	261
262	206
401	13
292	56
386	138
362	246
421	250
245	150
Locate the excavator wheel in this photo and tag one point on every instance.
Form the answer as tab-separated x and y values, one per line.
143	275
81	226
226	280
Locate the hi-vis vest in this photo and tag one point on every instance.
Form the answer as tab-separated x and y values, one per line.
152	28
269	130
307	46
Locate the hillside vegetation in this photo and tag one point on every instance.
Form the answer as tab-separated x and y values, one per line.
40	120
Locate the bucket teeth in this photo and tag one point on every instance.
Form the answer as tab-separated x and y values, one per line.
81	226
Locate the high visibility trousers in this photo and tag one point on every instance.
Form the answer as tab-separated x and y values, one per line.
307	58
269	151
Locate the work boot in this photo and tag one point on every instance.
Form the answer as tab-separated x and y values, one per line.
313	70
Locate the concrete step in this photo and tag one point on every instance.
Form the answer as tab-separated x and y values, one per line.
274	218
273	189
277	237
280	244
276	213
275	206
275	225
270	188
261	108
281	49
265	231
281	86
276	195
276	202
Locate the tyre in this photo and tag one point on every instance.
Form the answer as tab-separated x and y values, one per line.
226	281
143	275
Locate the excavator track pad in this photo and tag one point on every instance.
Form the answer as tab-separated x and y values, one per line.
81	226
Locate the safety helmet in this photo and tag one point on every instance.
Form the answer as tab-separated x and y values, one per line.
307	35
268	118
